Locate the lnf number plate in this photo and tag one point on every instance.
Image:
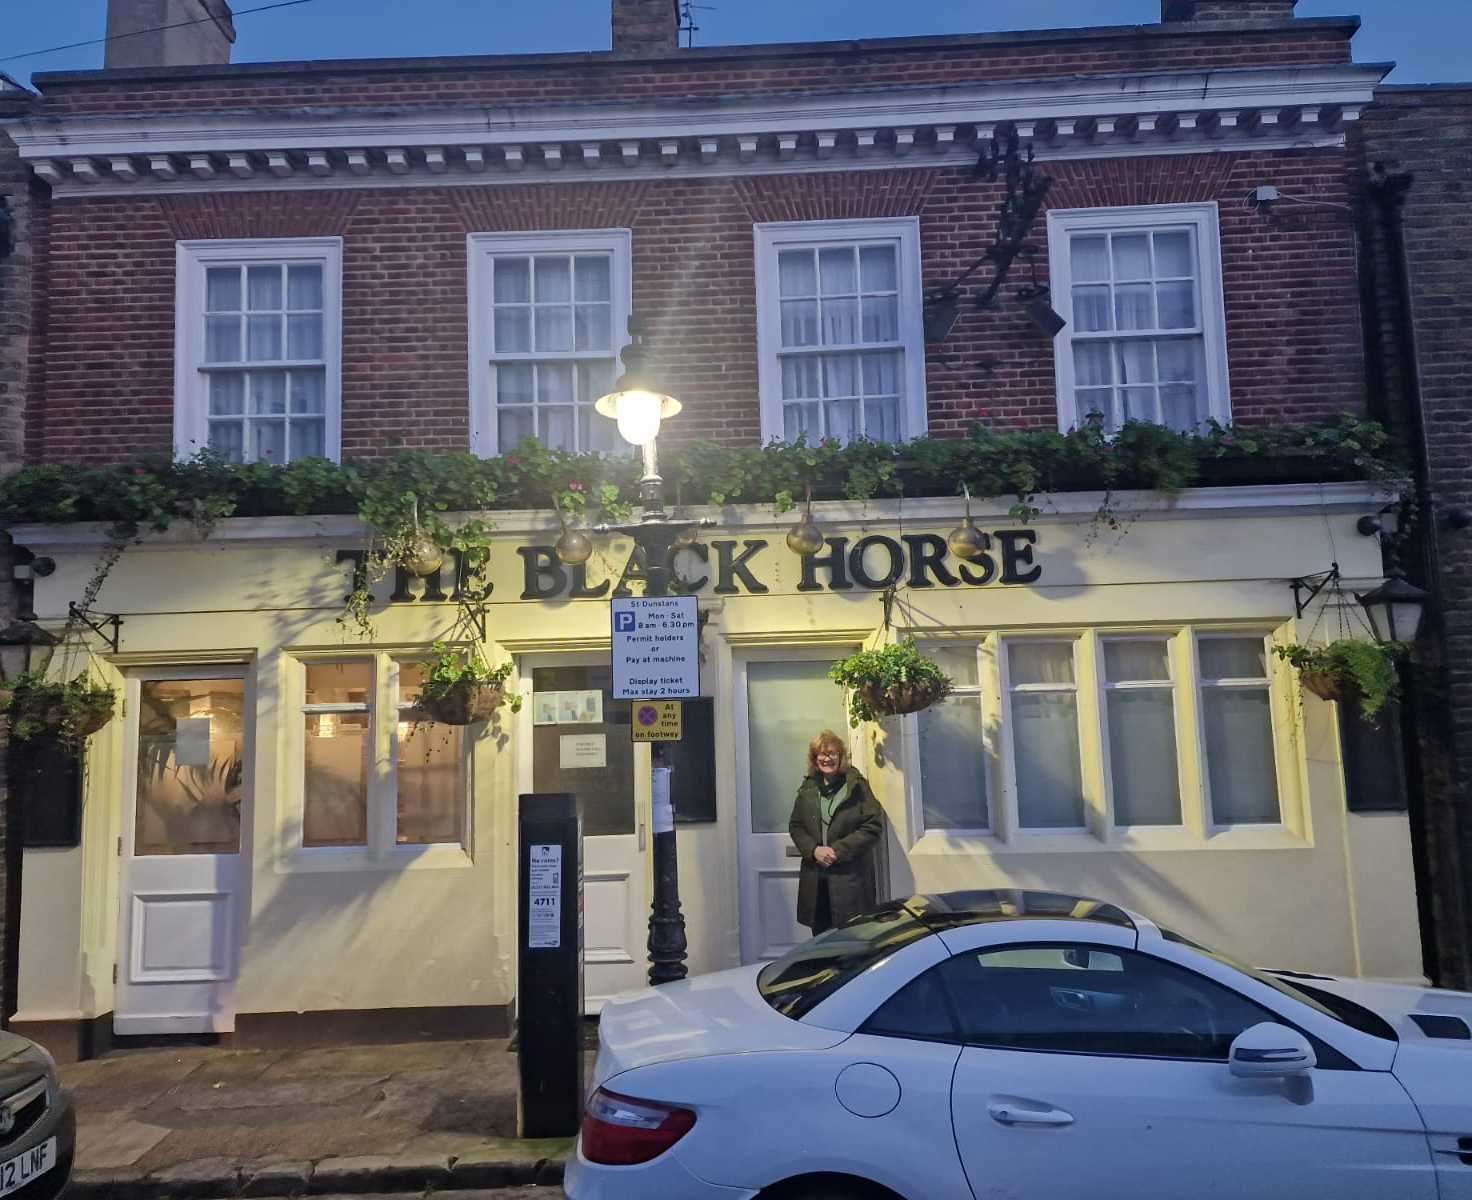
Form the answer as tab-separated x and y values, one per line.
656	648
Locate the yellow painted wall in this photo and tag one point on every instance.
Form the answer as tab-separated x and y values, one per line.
444	933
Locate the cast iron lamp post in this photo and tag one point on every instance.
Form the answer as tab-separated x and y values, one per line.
639	407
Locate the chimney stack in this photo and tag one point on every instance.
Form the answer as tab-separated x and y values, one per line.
201	35
645	27
1211	12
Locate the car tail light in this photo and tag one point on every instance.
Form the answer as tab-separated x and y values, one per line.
619	1131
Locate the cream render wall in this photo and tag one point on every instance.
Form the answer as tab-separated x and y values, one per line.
1333	894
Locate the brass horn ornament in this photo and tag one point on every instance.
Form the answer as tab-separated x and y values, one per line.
422	557
806	537
573	547
966	541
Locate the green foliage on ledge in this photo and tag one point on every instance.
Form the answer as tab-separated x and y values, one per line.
153	494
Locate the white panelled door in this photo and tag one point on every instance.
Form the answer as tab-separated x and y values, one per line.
576	739
187	792
784	699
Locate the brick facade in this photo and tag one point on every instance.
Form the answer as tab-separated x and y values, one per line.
15	289
1427	132
108	262
743	71
109	347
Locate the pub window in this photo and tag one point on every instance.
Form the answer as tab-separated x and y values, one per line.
549	315
1141	291
352	706
951	747
258	331
1163	737
1237	730
1140	713
429	761
338	756
840	331
1042	709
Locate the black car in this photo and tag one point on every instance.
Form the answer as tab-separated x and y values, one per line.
38	1126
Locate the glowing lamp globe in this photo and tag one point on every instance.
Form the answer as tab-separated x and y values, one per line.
638	412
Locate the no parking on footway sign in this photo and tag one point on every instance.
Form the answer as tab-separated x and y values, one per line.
656	721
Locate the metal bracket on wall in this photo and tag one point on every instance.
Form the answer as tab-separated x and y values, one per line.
107	626
1307	587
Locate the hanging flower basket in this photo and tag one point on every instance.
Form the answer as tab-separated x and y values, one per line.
1329	685
39	707
890	681
464	702
460	689
1349	671
899	698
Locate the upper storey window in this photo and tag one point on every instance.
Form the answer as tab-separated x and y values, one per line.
258	337
549	314
1141	290
841	337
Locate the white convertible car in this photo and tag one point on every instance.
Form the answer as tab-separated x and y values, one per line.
1012	1045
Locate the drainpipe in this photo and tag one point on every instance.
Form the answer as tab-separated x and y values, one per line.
1444	921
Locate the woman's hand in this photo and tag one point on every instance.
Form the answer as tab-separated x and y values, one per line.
825	856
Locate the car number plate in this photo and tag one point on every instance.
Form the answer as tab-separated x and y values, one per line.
16	1172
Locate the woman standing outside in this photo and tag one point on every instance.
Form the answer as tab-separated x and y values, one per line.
836	823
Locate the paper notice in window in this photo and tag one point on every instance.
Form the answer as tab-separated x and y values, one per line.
192	742
544	898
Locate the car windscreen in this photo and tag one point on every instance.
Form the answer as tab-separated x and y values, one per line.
1344	1011
807	975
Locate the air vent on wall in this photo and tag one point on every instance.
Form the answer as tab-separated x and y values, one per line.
1434	1025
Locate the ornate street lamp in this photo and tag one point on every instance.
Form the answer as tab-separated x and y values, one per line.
639	407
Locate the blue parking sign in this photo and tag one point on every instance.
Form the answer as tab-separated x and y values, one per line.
624	622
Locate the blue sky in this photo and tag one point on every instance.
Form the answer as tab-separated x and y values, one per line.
1429	39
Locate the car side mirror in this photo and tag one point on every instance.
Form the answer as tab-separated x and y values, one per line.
1271	1051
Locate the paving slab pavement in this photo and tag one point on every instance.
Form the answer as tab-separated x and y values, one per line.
202	1122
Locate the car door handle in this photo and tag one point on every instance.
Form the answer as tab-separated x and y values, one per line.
1004	1113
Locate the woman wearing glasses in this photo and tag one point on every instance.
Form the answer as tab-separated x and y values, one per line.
836	823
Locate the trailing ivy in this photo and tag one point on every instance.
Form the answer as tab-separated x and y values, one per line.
1023	464
413	496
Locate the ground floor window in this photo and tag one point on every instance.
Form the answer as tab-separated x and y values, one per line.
376	772
1101	734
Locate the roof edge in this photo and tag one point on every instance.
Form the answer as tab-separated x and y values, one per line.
1021	37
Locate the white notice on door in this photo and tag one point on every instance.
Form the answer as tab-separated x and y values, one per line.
582	751
544	898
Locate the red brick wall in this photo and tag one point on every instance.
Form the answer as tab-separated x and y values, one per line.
1428	133
1292	325
593	77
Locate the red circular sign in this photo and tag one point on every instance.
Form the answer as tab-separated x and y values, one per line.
648	714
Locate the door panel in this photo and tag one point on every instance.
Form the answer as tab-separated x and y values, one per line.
615	893
182	937
784	704
182	876
1143	1129
1103	1071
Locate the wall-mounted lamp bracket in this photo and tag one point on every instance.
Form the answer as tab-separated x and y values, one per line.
107	626
1308	587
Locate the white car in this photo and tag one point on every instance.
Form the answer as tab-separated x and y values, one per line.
1012	1045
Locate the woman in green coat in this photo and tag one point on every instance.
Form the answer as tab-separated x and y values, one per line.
836	823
